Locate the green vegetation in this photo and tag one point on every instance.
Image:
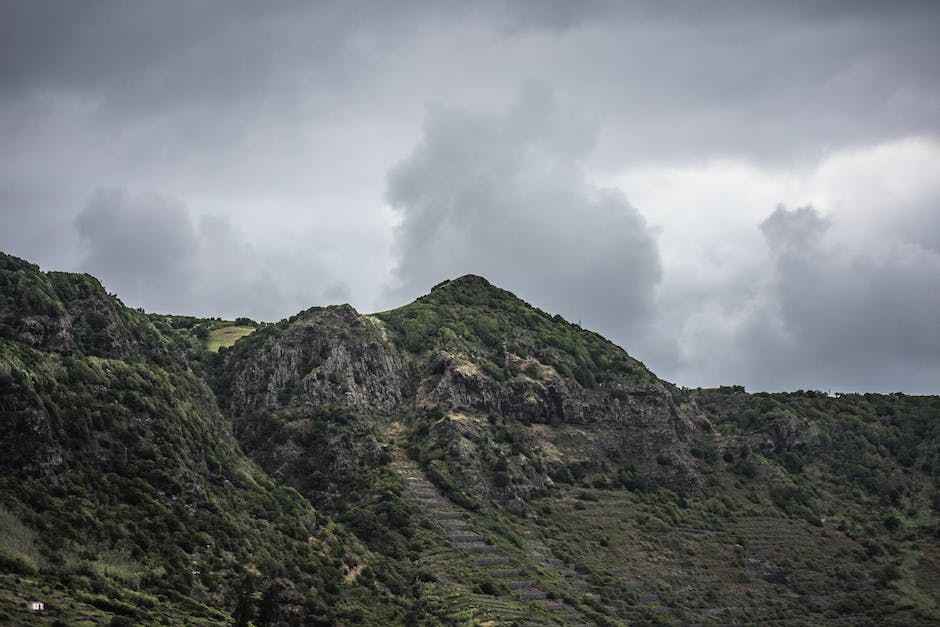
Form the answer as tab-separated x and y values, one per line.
227	336
499	331
125	491
864	467
159	469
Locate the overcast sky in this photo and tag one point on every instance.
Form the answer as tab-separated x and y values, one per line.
735	192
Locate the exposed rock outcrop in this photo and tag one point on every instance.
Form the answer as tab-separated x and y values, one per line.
336	357
326	356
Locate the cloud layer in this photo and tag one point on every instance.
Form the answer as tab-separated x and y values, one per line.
861	317
616	163
828	309
146	248
503	195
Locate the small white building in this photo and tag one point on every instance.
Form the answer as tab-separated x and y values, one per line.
36	606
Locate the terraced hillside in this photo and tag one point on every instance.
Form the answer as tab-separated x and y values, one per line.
464	459
508	581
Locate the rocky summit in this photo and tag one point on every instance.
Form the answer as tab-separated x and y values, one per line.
463	459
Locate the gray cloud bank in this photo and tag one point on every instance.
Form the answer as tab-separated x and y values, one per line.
668	79
147	249
863	317
502	195
306	153
151	251
858	317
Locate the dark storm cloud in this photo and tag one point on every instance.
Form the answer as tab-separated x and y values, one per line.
146	248
854	319
278	123
773	81
152	55
673	79
502	195
151	82
139	246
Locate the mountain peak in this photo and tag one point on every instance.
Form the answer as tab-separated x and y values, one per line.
465	281
461	424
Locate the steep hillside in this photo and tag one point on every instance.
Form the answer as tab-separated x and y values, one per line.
510	399
464	459
471	369
588	479
124	491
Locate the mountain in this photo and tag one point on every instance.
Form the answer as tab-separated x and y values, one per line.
125	492
466	458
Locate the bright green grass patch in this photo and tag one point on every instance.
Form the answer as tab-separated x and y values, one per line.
226	336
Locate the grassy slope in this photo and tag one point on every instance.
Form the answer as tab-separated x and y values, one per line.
809	508
227	336
866	467
470	316
124	490
801	493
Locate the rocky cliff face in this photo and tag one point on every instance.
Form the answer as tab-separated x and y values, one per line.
325	356
575	400
27	434
114	451
560	425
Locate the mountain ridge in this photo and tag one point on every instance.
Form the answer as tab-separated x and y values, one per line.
460	459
